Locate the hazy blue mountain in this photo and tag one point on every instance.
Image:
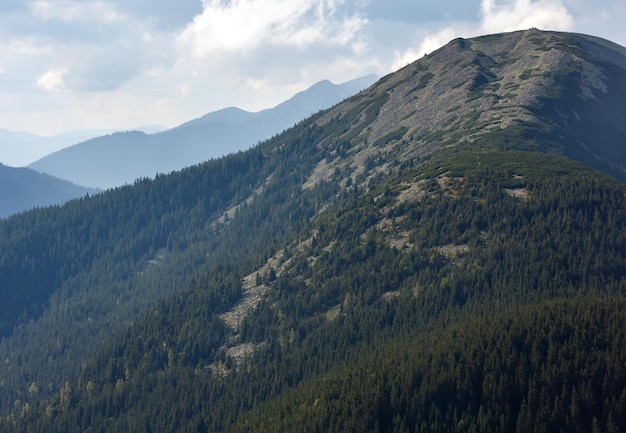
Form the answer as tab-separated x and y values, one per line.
18	149
121	158
15	147
22	189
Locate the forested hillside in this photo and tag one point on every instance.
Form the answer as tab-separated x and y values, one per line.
392	271
423	257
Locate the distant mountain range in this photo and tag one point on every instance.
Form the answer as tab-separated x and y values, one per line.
122	157
105	161
23	188
18	149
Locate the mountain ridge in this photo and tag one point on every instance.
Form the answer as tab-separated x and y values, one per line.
23	189
26	148
414	259
121	158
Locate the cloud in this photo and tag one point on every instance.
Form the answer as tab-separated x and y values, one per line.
255	53
92	68
52	80
244	25
104	44
429	44
523	14
95	45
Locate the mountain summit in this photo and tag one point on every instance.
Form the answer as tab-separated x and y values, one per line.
437	253
527	90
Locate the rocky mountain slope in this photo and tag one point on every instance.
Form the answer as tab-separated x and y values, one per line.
437	253
530	90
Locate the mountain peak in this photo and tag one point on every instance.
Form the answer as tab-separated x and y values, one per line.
525	90
228	115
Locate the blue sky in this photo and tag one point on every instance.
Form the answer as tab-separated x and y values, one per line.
90	64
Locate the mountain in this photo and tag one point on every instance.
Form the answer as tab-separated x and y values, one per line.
444	251
22	189
19	149
123	157
10	141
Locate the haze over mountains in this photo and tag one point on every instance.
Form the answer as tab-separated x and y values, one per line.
123	157
443	251
106	161
18	149
23	188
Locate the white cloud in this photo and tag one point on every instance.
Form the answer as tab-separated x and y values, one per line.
523	14
185	90
256	53
52	80
429	44
99	45
243	25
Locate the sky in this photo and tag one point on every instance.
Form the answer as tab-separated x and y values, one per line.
69	65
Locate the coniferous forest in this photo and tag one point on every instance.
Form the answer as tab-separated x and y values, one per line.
341	276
